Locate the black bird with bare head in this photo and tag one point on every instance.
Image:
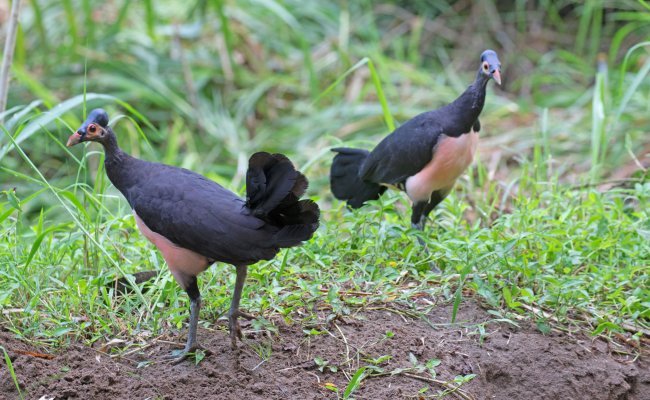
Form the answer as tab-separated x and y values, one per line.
195	222
423	157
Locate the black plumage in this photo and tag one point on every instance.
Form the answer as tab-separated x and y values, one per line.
185	213
358	175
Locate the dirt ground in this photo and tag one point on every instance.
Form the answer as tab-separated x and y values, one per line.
510	363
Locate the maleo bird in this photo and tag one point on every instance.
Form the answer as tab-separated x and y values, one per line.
195	222
423	157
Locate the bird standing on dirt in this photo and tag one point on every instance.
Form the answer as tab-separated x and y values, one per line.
423	157
195	222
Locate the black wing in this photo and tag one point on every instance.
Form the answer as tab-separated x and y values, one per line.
200	215
410	147
404	152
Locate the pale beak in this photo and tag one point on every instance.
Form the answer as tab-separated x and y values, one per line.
75	138
496	75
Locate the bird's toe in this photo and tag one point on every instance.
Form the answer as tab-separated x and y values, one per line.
235	332
234	327
178	356
242	314
434	268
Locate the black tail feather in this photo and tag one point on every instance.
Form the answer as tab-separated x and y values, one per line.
122	285
273	191
345	181
269	179
301	225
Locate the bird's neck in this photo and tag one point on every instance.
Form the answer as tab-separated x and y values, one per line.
462	114
113	154
470	103
473	98
117	163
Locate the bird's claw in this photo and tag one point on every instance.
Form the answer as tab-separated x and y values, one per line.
419	227
235	328
422	242
433	267
178	356
240	313
235	332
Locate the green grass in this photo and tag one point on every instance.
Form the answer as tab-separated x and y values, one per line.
12	372
530	231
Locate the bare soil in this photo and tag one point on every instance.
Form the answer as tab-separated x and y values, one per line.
509	362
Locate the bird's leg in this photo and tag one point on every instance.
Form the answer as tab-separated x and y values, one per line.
421	211
434	200
235	312
195	307
418	219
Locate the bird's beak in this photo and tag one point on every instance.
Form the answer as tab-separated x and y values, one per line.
496	75
75	138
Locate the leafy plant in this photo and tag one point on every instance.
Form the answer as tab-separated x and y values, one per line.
325	365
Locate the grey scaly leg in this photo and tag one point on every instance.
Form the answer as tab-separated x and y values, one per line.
195	307
235	312
418	219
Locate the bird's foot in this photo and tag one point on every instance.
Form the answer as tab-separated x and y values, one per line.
419	227
422	242
178	356
433	267
240	313
235	328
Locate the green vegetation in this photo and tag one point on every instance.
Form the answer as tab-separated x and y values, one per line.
552	224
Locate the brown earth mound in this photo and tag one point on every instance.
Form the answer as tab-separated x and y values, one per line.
509	362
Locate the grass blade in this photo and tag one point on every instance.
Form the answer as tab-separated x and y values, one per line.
150	14
388	117
56	113
598	134
39	239
77	222
10	366
354	382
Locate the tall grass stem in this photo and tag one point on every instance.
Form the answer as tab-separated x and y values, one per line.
8	55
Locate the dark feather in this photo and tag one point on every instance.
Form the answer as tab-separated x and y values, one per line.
345	181
270	179
200	215
410	147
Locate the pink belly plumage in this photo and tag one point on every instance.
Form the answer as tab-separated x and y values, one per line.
183	263
451	158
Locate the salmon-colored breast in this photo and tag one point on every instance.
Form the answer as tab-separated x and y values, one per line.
451	157
182	263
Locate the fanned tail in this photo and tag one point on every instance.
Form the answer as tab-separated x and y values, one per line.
345	181
273	191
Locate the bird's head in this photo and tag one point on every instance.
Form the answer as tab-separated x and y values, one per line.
491	66
94	129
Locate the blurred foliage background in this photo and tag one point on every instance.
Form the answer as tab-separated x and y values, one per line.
213	81
554	214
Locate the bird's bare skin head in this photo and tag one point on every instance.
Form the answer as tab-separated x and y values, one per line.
94	129
491	66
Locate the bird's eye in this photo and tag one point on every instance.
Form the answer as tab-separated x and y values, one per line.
92	128
485	66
